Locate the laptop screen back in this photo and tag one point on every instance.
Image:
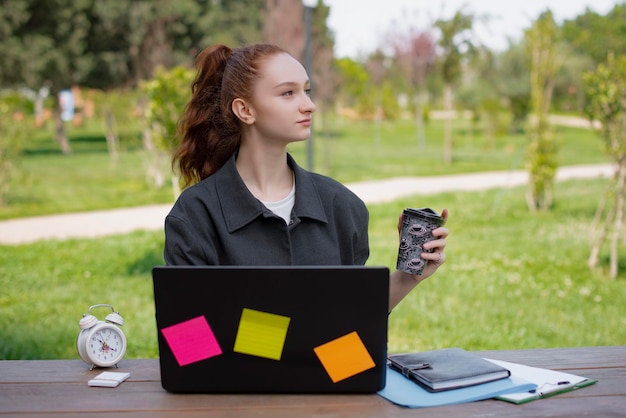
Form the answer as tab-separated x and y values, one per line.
265	329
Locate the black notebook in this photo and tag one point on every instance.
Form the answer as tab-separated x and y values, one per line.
446	369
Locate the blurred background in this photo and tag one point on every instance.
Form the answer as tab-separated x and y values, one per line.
130	61
91	91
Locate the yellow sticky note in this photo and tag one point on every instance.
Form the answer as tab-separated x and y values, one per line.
344	357
261	334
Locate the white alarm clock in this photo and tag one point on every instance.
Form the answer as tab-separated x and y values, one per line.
101	343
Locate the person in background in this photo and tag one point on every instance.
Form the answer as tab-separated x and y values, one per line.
246	201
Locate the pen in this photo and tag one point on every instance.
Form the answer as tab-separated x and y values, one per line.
561	383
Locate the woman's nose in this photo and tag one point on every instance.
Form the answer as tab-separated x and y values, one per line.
308	106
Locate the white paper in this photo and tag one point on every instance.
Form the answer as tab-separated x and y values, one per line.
547	380
108	379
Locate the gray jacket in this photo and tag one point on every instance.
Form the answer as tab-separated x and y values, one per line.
219	222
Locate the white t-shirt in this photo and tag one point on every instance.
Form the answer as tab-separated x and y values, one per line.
284	206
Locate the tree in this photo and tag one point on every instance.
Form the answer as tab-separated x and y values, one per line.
454	44
595	35
514	83
325	75
114	43
569	90
546	57
230	22
61	44
377	71
43	43
167	94
354	80
145	35
606	91
14	130
415	55
44	40
284	26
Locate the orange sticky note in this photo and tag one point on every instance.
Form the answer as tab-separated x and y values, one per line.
344	357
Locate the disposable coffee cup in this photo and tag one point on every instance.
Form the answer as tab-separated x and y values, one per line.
416	230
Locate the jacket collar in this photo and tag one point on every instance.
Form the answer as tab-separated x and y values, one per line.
240	207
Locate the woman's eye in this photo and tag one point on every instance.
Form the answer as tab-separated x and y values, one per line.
288	93
308	92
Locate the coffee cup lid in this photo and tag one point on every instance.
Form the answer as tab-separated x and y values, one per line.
425	213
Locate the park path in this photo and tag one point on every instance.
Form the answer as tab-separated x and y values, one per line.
120	221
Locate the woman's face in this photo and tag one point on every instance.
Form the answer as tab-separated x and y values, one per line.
280	102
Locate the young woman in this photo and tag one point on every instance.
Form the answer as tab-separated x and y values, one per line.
247	201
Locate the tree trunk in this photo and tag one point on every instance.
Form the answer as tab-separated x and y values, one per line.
419	119
111	135
597	234
447	136
378	115
619	220
61	135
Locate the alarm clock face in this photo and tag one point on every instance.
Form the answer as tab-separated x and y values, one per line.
105	345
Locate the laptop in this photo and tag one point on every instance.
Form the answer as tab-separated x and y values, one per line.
286	329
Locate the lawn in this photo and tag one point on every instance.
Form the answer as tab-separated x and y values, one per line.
513	279
48	182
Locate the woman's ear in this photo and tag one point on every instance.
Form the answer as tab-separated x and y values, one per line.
242	110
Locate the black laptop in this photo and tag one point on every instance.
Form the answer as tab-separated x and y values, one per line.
265	329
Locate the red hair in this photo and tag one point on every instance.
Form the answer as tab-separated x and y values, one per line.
208	130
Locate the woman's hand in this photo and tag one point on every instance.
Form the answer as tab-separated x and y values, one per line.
434	249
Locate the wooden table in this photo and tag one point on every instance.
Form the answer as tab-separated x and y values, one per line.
58	388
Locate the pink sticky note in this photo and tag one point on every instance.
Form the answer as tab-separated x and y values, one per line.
191	341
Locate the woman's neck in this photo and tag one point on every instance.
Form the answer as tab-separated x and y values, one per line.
265	172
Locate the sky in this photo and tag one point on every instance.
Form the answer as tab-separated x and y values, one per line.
359	25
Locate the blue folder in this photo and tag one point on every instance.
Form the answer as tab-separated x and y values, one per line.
402	391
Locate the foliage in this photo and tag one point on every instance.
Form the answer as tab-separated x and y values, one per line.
324	77
606	88
546	56
113	44
167	95
43	41
569	88
414	56
354	82
13	132
230	22
455	43
606	91
513	83
597	36
481	95
497	267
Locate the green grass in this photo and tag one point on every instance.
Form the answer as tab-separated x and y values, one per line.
49	182
513	279
352	151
